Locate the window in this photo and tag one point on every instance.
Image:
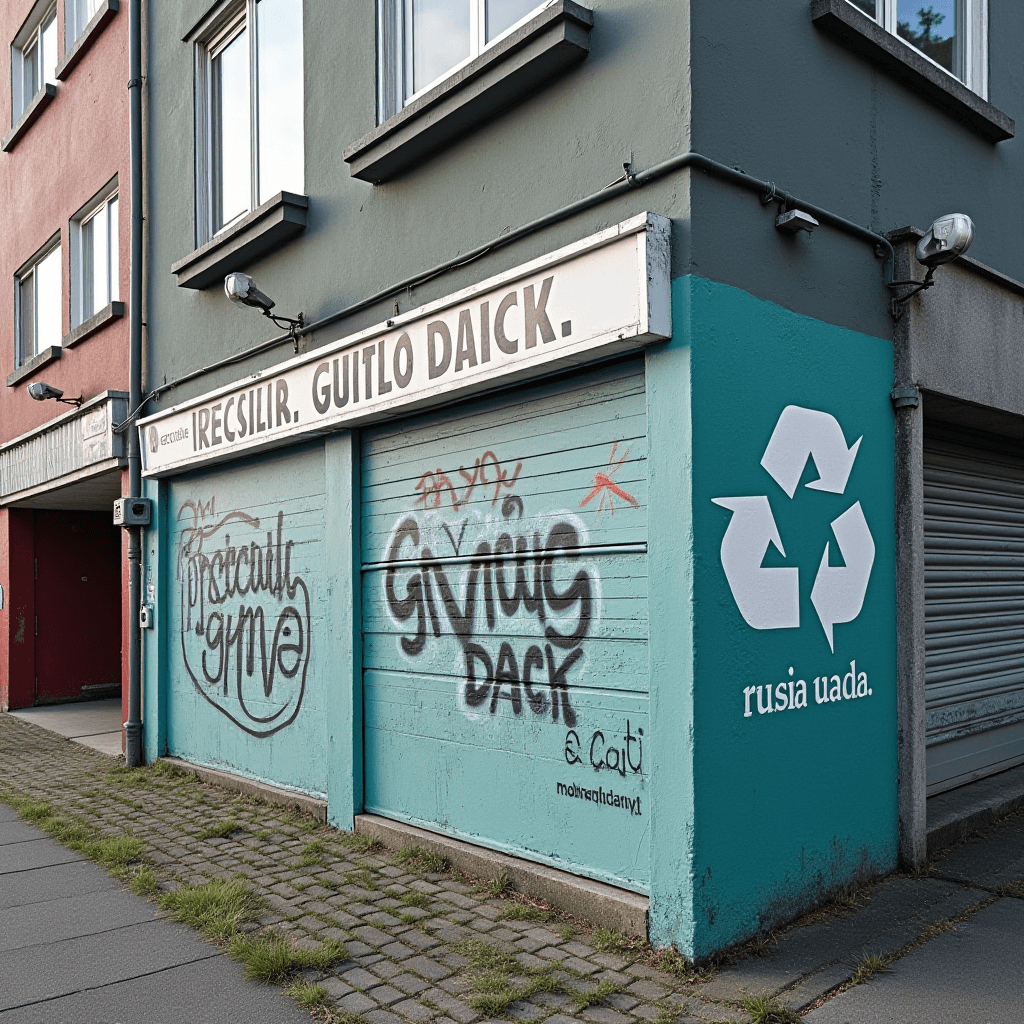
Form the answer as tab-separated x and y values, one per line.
950	33
39	305
250	110
33	60
424	41
77	14
95	268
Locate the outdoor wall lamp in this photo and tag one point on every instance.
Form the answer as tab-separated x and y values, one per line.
948	238
41	392
242	291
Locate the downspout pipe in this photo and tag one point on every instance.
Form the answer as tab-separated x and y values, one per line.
133	726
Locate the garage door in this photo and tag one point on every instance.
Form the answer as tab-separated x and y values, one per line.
505	623
974	609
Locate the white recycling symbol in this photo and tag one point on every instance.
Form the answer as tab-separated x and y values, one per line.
769	598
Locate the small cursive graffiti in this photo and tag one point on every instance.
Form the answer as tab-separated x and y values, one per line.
486	472
245	617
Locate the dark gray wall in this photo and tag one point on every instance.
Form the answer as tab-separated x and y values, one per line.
779	98
570	139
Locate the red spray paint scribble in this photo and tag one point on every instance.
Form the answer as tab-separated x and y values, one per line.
607	487
433	485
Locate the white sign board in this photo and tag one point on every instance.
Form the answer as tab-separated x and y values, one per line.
604	294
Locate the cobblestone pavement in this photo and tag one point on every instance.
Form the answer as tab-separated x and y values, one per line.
422	945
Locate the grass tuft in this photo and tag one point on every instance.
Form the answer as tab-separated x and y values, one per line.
415	899
500	884
219	830
271	957
764	1010
314	854
584	1000
217	909
868	966
309	997
520	912
362	843
142	881
608	941
426	860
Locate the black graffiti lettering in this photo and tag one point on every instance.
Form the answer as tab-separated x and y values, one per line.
212	634
538	699
572	747
630	738
477	694
560	686
507	672
514	576
562	537
403	609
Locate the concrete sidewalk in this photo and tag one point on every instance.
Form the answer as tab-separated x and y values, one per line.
77	948
93	723
415	935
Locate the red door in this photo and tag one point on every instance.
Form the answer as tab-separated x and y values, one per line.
77	604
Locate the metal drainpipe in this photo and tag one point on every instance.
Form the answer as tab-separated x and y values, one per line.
133	727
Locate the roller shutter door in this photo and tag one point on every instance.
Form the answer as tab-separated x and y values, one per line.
504	609
974	609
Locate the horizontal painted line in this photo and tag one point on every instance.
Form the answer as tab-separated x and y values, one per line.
638	548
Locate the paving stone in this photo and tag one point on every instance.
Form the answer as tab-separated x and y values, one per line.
374	936
356	1002
452	1006
553	953
386	969
621	1001
504	934
574	963
646	1011
382	919
580	949
414	1010
409	983
605	1015
336	987
359	948
481	924
456	985
647	990
397	950
429	969
382	1017
560	1018
359	978
386	995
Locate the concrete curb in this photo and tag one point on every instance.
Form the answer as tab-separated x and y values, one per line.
956	814
604	905
259	790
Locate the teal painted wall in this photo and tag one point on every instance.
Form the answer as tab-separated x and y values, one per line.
506	700
793	802
248	644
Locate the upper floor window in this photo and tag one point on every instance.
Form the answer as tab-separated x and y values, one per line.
33	59
423	41
39	304
95	267
951	33
77	14
249	114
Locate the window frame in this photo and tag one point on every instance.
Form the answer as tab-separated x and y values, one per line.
210	39
72	30
394	57
100	202
972	27
32	32
31	266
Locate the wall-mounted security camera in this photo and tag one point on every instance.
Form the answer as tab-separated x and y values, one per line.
948	238
242	291
44	392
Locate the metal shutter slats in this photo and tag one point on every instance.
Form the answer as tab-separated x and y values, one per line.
974	611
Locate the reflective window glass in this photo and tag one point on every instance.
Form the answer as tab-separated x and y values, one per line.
279	42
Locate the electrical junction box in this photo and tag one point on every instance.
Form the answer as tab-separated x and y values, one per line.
146	617
132	512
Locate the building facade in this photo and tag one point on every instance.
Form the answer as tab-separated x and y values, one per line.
63	249
632	529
